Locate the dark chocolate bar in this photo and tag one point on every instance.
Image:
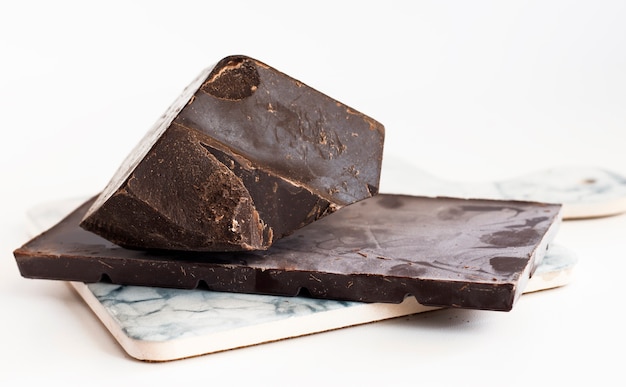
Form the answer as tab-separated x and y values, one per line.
244	157
446	252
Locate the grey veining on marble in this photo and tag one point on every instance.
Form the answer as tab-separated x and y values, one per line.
158	314
565	185
557	259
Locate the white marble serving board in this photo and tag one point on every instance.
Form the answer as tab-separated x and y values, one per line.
158	324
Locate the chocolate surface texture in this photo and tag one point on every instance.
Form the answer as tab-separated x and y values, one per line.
446	252
244	157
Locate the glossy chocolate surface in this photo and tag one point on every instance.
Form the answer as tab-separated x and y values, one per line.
245	156
446	252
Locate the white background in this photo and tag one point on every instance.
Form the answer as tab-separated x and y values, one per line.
467	90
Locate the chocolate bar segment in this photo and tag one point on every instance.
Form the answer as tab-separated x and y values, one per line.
446	252
244	157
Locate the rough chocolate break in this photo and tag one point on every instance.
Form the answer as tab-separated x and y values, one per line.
245	156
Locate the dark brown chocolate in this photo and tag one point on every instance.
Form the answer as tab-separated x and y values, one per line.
445	252
245	156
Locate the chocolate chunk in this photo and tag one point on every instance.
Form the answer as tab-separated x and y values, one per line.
445	252
244	157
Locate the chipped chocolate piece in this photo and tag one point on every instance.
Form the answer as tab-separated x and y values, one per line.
244	157
446	252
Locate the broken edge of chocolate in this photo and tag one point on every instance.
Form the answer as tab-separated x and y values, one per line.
246	155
